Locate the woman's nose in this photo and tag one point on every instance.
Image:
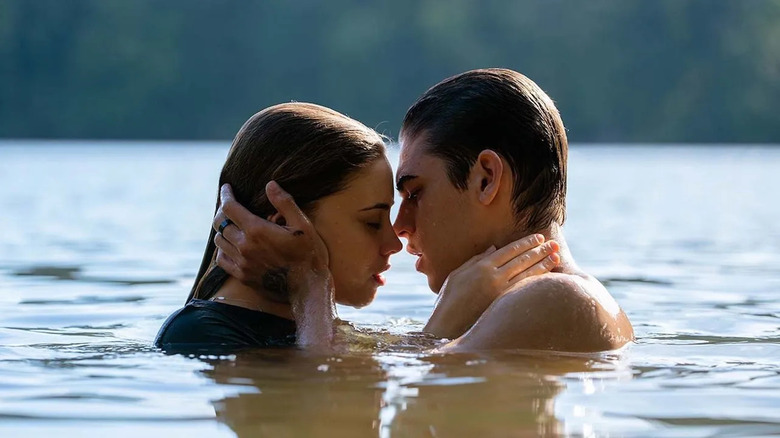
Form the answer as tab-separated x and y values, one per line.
392	244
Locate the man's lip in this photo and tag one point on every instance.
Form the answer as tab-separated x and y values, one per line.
418	263
413	250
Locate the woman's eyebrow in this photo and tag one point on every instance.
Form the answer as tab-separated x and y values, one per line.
380	205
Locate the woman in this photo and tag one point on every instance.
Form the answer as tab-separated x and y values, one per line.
336	170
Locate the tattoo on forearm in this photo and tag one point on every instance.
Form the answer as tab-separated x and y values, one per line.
275	281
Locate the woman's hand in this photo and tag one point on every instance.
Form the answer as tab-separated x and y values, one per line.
471	288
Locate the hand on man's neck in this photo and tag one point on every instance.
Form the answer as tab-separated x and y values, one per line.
554	232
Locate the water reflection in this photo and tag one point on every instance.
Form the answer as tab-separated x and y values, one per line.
289	394
74	273
283	393
88	278
480	396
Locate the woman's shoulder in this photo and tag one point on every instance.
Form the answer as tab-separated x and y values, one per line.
202	325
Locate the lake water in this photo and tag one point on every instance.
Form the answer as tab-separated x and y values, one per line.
99	242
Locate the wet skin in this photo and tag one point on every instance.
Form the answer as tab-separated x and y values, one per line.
565	310
355	226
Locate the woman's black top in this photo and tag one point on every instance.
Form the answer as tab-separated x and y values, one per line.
204	326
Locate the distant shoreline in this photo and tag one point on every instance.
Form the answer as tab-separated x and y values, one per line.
226	143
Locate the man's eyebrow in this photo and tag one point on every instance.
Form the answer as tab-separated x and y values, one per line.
380	205
402	180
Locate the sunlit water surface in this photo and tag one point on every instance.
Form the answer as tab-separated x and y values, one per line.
99	242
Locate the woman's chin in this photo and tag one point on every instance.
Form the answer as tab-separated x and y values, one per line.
358	302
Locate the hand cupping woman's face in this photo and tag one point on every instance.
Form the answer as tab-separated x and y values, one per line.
355	226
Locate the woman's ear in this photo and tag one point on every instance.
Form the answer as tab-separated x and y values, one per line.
277	218
486	176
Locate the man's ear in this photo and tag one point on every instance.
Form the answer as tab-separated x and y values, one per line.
277	218
486	176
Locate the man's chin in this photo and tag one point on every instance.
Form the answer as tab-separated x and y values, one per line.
434	283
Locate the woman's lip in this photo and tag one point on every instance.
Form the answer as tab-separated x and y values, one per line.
380	279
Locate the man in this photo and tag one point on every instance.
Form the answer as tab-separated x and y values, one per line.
483	162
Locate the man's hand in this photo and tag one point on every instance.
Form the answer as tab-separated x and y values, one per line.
291	258
256	251
471	288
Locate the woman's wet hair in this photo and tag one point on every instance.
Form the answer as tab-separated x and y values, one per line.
310	150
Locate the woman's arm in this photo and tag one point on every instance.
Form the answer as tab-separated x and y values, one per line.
472	288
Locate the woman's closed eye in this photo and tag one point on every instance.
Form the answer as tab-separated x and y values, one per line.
374	225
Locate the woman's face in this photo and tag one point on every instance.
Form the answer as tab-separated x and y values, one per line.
355	225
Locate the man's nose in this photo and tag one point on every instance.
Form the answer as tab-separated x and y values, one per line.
404	223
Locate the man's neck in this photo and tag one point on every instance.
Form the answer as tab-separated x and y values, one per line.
553	232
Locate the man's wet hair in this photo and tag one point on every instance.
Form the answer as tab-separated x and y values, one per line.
504	111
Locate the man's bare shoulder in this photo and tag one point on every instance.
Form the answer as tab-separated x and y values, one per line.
577	311
574	290
555	311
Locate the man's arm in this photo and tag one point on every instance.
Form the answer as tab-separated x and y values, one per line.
471	288
250	246
552	312
314	312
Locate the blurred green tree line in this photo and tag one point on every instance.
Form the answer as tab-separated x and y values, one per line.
620	71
